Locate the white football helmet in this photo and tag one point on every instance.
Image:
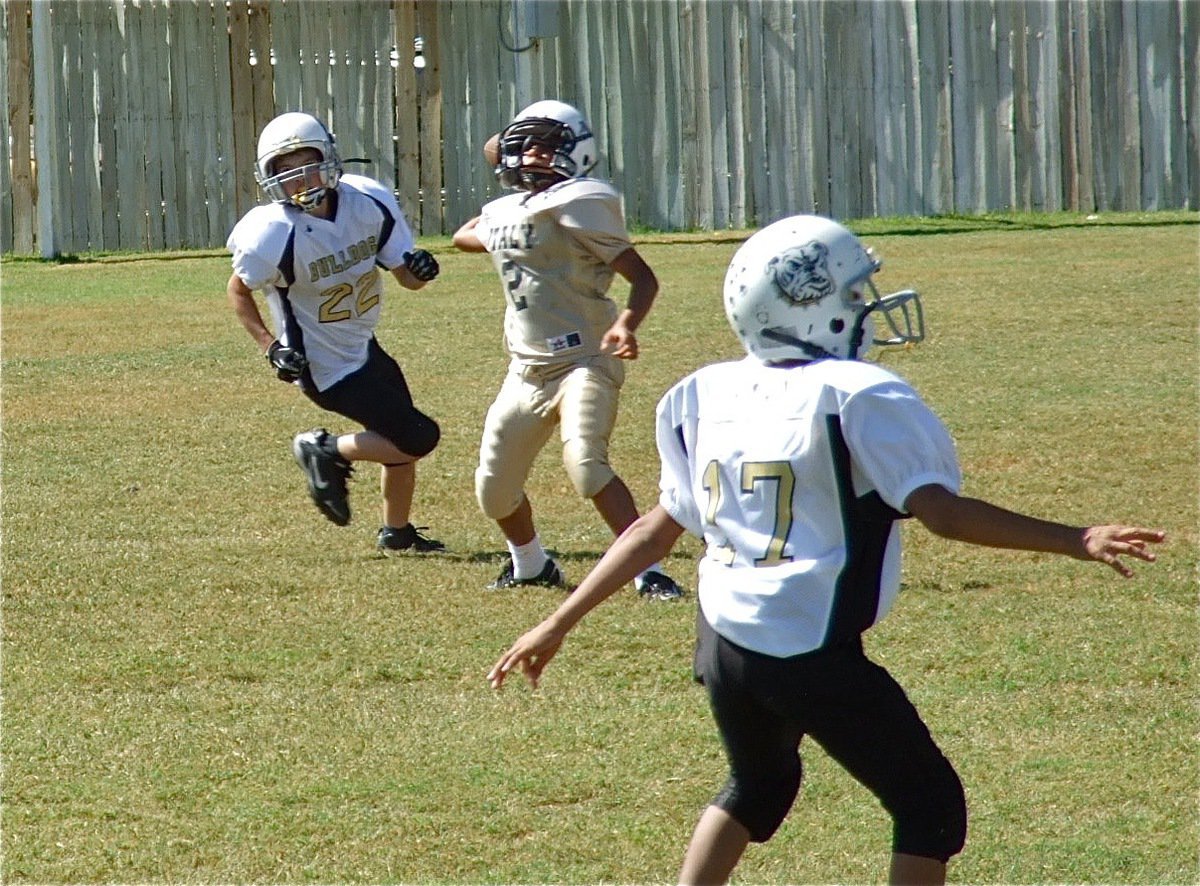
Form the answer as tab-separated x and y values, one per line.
801	289
287	133
553	125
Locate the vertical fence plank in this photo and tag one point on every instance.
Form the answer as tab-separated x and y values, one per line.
285	42
46	135
734	78
131	129
241	98
630	110
6	195
461	155
1161	106
862	108
754	112
909	107
888	37
262	75
845	142
179	174
936	105
608	113
667	146
80	168
717	53
408	145
1053	92
688	166
92	168
108	50
338	75
18	91
218	166
1128	69
815	193
1081	103
1190	62
1068	134
378	84
199	122
428	23
148	43
1024	158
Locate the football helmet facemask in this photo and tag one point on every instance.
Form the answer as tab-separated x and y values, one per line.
291	132
801	289
561	131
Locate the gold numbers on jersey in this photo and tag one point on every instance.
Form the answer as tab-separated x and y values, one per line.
712	485
754	474
365	294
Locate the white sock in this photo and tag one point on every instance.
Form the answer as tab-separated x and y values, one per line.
528	559
641	577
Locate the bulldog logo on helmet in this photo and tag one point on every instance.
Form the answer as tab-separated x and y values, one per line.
802	273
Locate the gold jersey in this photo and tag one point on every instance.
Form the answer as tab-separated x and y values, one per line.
553	251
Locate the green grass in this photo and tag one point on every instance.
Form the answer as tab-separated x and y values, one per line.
204	681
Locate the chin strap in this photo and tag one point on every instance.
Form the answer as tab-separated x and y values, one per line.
814	352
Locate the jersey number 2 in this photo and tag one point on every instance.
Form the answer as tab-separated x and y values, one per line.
511	274
753	474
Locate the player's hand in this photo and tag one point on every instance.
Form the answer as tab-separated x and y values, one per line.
1108	543
421	264
619	341
289	363
531	653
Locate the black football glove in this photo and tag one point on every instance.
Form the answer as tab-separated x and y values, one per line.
289	364
421	265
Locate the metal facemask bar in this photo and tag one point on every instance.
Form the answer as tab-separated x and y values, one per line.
518	137
901	312
328	173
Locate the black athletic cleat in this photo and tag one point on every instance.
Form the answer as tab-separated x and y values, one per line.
326	470
549	577
656	586
407	538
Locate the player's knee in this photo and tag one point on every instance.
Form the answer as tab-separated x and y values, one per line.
586	463
497	498
423	436
932	823
761	802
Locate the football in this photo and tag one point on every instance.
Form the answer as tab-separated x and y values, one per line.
491	150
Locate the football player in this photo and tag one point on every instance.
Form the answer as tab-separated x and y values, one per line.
316	251
794	466
557	242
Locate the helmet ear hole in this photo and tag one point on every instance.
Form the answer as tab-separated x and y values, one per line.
836	325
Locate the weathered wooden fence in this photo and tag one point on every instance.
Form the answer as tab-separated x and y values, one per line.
132	123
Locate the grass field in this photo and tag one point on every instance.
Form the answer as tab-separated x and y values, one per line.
206	682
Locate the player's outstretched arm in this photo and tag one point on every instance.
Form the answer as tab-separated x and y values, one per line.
647	540
619	340
979	522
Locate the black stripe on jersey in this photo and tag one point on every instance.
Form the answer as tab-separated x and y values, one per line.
867	523
287	261
293	333
385	230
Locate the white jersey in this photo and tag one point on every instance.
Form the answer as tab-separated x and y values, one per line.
553	251
321	276
793	477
